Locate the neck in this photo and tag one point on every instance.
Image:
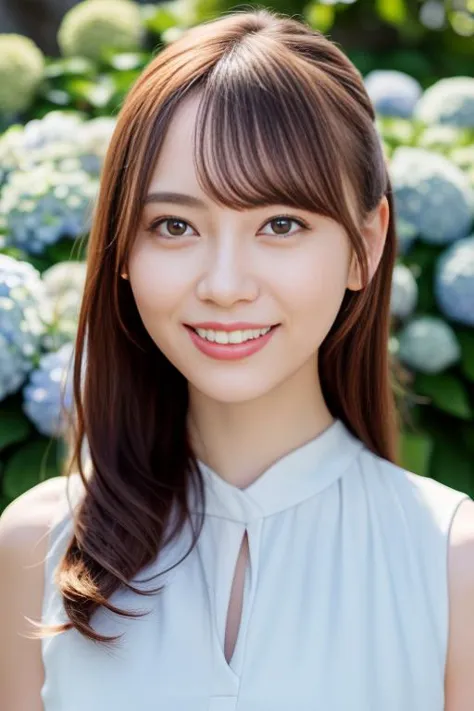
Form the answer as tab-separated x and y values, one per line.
240	441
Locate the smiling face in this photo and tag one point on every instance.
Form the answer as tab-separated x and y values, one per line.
196	261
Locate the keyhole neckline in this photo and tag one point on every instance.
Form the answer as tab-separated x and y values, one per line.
298	475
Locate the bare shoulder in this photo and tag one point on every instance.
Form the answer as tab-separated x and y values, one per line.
460	657
31	512
24	528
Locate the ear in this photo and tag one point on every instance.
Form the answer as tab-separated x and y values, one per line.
374	232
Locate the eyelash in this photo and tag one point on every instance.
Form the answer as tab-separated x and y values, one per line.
156	223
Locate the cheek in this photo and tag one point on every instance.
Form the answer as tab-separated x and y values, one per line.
316	288
158	284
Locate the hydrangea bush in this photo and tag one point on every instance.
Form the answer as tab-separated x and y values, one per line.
93	25
50	165
393	93
49	390
24	315
21	72
44	203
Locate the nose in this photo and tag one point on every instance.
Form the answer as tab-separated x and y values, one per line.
228	276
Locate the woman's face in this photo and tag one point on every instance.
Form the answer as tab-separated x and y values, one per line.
208	263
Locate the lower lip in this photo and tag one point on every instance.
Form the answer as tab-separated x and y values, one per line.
230	351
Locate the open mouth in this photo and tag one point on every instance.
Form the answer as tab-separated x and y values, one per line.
231	351
230	343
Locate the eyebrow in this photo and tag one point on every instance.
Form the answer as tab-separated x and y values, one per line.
177	198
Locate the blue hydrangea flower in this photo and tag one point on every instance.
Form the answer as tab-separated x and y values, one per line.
428	344
432	194
56	137
406	234
23	317
404	295
64	286
454	282
393	93
48	202
48	385
449	101
92	142
12	151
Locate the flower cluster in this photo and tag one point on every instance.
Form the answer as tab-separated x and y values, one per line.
24	314
21	72
454	282
93	25
64	285
49	391
60	138
428	344
45	203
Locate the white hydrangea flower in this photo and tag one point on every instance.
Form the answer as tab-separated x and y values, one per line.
428	344
54	127
64	286
57	138
91	25
21	72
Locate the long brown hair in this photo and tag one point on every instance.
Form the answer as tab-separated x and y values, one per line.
304	133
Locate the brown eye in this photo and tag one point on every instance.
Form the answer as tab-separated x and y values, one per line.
174	227
281	224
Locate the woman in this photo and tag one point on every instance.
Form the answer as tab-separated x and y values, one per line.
242	537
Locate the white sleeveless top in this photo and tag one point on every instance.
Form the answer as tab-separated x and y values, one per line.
345	603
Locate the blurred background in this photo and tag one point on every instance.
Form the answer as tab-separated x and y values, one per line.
65	68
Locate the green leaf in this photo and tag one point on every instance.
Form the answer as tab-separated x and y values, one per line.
392	11
31	464
61	251
161	20
70	66
14	426
467	433
452	465
321	17
446	392
96	93
466	341
415	451
4	501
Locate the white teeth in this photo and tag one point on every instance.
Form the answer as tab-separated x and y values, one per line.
231	336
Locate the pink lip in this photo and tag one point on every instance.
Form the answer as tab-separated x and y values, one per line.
229	351
237	326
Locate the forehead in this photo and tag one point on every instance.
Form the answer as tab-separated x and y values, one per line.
174	168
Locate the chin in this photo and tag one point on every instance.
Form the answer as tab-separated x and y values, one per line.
231	389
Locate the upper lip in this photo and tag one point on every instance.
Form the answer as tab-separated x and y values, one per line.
237	326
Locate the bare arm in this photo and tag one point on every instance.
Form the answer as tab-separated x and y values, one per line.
24	526
459	683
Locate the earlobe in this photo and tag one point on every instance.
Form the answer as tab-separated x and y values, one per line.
374	232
